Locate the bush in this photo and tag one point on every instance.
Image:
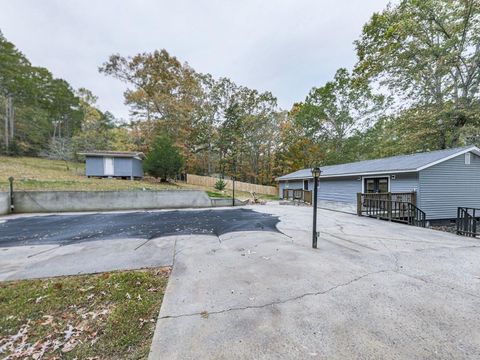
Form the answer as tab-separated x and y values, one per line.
220	184
164	160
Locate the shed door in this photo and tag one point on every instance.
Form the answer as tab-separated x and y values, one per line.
109	169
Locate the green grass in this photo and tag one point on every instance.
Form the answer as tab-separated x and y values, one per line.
43	174
216	194
110	315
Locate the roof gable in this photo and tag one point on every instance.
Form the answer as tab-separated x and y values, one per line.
395	164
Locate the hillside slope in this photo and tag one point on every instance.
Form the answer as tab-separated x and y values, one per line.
42	174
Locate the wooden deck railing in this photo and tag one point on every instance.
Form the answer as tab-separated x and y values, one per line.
468	220
298	194
399	207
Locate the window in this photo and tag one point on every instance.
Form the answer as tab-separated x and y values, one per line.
375	185
305	184
467	158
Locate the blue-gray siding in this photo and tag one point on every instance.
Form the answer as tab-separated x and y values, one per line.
345	189
448	185
137	167
94	166
339	190
124	167
407	182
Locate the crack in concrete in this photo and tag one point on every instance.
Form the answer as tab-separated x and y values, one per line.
277	302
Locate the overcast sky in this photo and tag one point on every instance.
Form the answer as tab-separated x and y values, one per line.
284	46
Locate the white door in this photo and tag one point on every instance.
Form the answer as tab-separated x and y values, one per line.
108	166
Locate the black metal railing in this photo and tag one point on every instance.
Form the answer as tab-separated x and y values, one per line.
467	221
298	194
392	210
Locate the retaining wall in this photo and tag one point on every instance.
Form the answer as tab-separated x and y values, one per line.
217	202
4	203
239	185
62	201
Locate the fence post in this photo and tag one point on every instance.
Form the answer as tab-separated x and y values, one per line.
359	204
10	180
389	206
414	198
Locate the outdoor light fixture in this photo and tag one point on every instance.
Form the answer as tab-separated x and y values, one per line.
316	174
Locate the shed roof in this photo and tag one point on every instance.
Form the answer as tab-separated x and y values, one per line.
124	154
395	164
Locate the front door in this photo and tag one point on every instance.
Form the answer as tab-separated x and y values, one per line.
376	185
109	169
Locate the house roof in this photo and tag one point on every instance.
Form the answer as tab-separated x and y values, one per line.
124	154
396	164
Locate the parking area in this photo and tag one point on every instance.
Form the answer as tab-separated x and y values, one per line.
254	288
36	246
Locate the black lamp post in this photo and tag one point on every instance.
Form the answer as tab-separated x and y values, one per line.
316	174
233	190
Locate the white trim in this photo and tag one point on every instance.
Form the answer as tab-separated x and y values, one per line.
473	149
373	177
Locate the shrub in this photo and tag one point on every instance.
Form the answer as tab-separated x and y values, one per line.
220	184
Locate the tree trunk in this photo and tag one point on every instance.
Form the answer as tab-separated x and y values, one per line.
12	116
7	112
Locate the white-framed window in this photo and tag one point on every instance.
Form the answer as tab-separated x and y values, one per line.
467	158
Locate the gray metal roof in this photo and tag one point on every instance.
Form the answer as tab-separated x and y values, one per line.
395	164
127	154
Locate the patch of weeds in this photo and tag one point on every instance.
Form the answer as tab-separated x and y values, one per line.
215	194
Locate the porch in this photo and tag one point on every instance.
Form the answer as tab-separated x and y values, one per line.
399	207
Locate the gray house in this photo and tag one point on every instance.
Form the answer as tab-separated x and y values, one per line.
114	164
442	180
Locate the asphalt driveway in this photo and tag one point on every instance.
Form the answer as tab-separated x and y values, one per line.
59	244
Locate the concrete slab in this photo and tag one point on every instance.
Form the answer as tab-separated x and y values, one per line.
373	289
28	262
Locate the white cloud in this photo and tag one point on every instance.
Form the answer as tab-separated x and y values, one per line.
283	46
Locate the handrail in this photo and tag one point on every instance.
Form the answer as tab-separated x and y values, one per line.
467	221
298	194
392	210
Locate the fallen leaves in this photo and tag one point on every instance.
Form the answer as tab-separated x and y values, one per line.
76	314
40	298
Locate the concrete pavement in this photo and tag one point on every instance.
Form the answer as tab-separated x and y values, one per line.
373	290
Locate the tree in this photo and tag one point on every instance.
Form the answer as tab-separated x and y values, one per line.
60	149
37	106
196	112
335	112
427	53
220	184
164	160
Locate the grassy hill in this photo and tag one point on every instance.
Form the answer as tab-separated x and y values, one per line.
42	174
